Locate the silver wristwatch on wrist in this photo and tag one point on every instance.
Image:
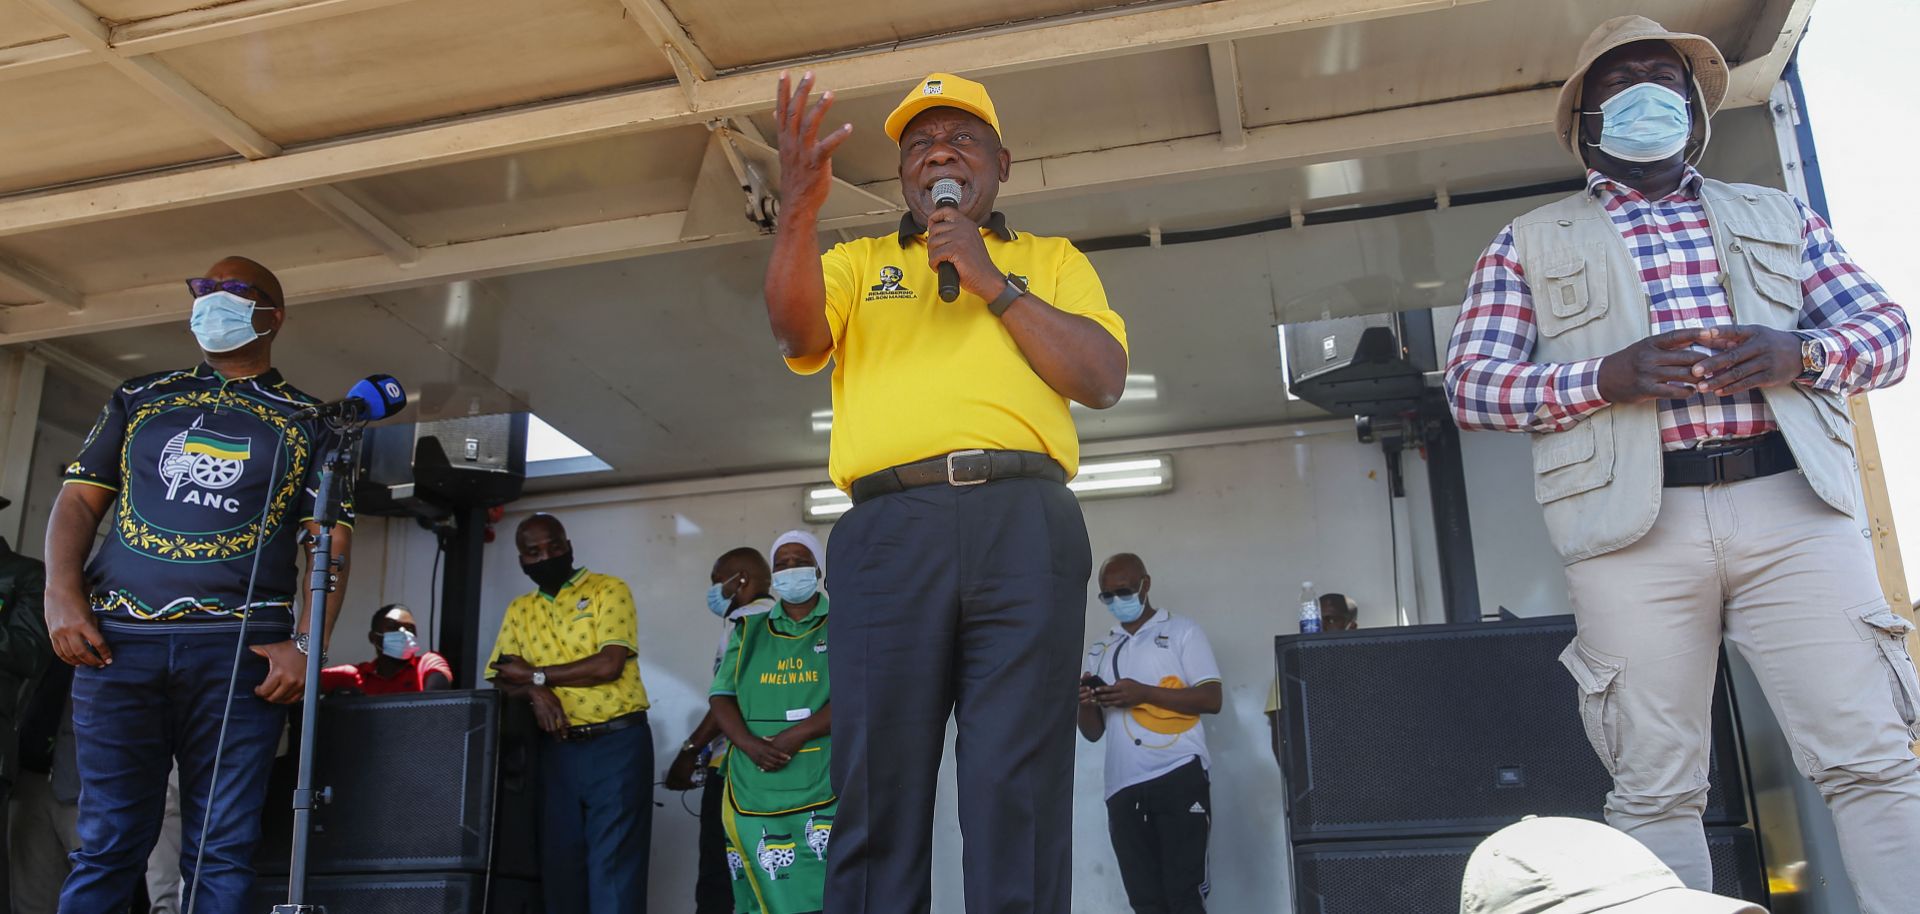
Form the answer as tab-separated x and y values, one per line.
539	677
300	641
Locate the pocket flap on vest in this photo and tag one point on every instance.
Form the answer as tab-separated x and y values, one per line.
1774	252
1560	449
1571	290
1577	460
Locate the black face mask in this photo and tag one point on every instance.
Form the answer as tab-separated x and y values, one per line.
551	573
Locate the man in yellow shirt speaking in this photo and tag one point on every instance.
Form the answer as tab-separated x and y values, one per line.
959	575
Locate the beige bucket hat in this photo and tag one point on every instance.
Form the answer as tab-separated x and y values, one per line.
1573	866
1708	66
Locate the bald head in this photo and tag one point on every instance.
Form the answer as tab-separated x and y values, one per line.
253	274
541	537
1125	562
1125	572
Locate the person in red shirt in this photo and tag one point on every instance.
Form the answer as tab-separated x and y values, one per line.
400	665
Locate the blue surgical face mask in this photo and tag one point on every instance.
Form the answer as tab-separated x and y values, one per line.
1646	123
718	602
1127	608
796	585
399	644
223	322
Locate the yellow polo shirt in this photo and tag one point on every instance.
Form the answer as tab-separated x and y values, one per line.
589	613
915	377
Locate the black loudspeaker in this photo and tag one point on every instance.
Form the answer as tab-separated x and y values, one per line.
429	782
426	468
1443	730
1422	875
1374	364
409	893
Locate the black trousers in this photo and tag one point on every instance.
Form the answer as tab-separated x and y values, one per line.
713	893
1159	831
963	601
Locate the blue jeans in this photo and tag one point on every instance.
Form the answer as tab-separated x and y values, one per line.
162	698
596	822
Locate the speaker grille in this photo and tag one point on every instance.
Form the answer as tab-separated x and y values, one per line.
414	780
1444	729
1422	875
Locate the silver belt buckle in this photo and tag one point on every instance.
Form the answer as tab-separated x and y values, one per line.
976	452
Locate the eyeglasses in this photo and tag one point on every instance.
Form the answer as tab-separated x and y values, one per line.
1108	596
200	285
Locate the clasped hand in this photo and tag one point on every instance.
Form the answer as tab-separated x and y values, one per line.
1668	366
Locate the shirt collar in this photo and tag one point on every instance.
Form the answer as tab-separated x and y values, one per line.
780	617
910	228
268	378
1598	184
555	596
751	608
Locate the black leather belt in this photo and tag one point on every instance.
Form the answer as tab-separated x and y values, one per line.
960	468
586	732
1757	457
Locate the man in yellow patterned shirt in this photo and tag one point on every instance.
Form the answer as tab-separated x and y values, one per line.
568	648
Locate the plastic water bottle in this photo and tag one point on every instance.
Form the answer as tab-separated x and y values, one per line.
1309	609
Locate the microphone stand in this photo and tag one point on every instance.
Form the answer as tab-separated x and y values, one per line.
336	475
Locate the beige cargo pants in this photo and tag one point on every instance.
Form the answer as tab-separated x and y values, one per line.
1791	583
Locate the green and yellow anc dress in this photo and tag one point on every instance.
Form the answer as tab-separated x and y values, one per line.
779	823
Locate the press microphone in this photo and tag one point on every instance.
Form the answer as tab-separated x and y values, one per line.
370	398
946	192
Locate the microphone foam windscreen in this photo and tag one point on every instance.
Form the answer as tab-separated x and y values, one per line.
383	395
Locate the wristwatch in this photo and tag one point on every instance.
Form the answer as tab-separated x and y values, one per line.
1016	287
1813	358
300	643
539	677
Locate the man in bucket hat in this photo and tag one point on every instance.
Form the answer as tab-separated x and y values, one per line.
1680	349
1572	866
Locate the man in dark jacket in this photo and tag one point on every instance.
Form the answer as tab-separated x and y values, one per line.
24	654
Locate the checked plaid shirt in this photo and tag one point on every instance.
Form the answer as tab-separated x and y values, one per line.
1495	387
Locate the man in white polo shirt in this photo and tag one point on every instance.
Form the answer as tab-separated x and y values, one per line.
1148	682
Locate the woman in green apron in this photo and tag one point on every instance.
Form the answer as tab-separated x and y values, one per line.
770	699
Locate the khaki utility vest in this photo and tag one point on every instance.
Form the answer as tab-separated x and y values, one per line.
1599	482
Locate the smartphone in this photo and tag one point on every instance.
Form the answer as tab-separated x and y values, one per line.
1093	681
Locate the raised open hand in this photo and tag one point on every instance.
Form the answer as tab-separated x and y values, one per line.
806	158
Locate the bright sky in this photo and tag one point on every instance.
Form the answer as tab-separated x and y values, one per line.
1857	67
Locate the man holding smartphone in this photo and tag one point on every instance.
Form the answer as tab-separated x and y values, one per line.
1148	682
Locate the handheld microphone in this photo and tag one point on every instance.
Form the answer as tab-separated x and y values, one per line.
370	398
946	192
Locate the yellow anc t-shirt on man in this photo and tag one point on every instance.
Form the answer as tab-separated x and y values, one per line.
590	612
915	377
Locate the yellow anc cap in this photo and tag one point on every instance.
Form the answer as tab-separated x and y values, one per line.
942	90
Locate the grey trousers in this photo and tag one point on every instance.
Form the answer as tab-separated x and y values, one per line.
40	835
1791	584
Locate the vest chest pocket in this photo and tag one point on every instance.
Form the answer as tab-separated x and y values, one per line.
1571	291
1772	255
1577	460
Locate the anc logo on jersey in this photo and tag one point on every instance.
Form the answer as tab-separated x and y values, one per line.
210	492
210	460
